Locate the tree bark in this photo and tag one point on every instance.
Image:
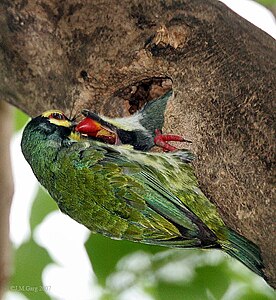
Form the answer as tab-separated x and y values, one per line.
108	55
6	192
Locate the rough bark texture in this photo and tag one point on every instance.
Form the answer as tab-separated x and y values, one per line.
93	54
6	192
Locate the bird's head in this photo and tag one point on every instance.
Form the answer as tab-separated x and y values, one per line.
55	121
56	117
116	131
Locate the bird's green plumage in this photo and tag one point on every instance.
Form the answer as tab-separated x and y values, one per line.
126	194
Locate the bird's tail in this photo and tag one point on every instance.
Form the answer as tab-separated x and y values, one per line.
245	251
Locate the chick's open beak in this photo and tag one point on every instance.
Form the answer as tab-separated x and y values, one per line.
88	126
94	129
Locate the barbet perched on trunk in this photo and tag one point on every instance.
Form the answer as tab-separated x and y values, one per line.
123	193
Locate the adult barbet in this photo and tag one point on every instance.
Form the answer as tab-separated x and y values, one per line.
122	193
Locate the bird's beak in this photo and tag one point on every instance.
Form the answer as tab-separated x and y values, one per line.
94	129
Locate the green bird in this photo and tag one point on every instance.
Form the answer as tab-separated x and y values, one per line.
152	198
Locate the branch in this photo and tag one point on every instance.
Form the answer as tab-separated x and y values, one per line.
108	55
6	193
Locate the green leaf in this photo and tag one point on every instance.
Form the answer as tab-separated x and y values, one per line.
20	119
104	253
42	206
267	2
183	274
29	261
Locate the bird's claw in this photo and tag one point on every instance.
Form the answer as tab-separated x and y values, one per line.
162	140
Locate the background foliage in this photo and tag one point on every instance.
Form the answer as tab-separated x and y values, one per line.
267	3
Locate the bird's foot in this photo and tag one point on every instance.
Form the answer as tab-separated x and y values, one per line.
162	140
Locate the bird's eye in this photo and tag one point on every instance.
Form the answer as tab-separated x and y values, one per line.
57	116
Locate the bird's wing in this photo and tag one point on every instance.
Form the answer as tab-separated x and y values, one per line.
153	112
138	179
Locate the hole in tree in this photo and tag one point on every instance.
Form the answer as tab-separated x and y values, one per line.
84	75
138	94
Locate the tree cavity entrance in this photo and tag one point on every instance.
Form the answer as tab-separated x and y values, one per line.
140	93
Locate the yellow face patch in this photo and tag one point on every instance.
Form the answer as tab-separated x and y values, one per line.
57	117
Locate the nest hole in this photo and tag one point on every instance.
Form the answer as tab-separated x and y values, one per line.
138	94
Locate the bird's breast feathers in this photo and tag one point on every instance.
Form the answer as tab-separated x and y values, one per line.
128	123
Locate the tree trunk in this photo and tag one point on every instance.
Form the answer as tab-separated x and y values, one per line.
108	56
6	192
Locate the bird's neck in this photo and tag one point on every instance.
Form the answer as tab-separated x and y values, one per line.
40	151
